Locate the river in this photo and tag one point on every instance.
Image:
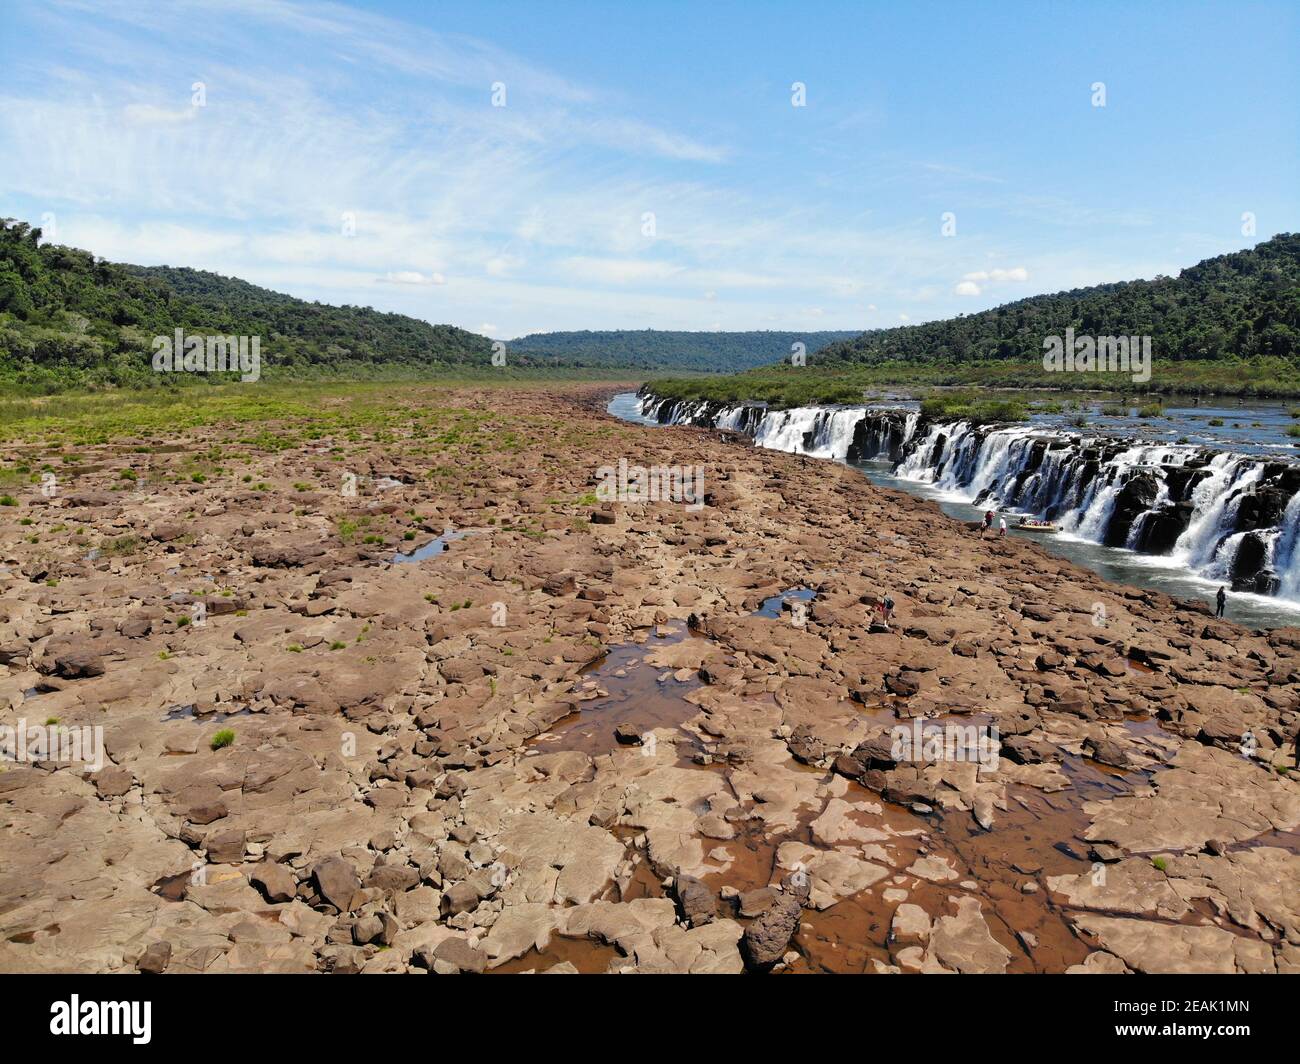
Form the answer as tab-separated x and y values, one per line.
955	465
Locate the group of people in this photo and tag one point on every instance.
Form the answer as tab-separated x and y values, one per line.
989	515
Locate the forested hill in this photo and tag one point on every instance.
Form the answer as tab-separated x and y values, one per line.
707	352
1237	306
70	320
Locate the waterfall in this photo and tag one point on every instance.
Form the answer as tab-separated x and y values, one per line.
1284	559
1176	500
1215	503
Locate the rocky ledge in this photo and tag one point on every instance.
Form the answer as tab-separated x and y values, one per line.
587	736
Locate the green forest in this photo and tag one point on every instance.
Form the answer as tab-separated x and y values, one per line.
703	352
71	320
1242	306
1228	325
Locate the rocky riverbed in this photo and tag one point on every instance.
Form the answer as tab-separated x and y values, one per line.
575	740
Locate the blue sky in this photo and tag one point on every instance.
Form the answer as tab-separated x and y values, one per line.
352	153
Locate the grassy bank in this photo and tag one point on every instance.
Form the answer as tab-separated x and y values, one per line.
786	386
96	417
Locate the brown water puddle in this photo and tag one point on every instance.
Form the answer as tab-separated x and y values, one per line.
638	698
1282	840
587	955
1040	834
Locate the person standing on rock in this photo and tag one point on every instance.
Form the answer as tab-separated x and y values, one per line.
887	608
1002	527
1221	600
988	520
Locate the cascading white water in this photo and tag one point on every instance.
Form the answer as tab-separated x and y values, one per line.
1214	499
815	431
917	463
1089	521
1283	558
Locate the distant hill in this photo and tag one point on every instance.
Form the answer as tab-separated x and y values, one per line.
71	320
1228	326
1242	305
705	352
68	319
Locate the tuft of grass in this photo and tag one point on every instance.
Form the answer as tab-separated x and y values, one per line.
120	547
225	737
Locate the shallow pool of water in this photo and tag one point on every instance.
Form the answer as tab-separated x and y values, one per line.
429	550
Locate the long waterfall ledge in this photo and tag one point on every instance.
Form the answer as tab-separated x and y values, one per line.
1223	516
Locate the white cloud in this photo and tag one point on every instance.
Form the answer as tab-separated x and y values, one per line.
414	277
1017	273
619	271
966	288
147	114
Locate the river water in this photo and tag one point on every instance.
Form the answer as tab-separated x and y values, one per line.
1258	429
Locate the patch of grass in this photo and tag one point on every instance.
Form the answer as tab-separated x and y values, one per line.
225	737
964	406
121	547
